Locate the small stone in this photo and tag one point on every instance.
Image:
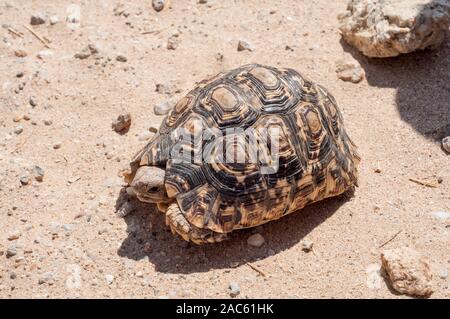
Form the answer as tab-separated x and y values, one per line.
57	145
234	289
162	108
441	215
125	209
203	1
38	18
32	101
26	117
12	275
18	129
54	19
173	42
446	144
443	274
11	251
245	45
349	71
256	240
153	129
44	54
17	118
122	123
158	5
109	279
407	271
24	180
14	236
20	53
19	74
48	122
307	245
121	58
46	278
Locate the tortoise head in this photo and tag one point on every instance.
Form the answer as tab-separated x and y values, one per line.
148	184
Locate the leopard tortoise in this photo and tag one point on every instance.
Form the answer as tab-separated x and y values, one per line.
206	199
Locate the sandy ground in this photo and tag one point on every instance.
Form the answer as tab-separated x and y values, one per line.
61	238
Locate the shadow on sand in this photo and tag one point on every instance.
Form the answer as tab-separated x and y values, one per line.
149	237
422	80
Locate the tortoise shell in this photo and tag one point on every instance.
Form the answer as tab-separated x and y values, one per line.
316	158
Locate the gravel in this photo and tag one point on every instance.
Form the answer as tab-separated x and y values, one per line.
122	123
307	245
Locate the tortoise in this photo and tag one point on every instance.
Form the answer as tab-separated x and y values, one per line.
206	198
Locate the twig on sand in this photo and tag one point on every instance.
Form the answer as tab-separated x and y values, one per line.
424	183
37	36
391	239
16	33
259	271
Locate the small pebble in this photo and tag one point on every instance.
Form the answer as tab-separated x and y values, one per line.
46	278
48	122
234	289
173	42
14	236
256	240
245	45
443	274
57	145
54	19
122	123
162	108
24	180
33	101
11	251
20	53
307	245
121	58
44	54
38	18
153	129
17	118
349	71
18	129
109	279
446	144
158	5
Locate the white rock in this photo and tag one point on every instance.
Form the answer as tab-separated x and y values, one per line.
392	27
109	279
54	19
234	289
307	244
162	108
407	271
256	240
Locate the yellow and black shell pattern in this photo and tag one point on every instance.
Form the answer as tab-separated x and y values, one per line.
316	158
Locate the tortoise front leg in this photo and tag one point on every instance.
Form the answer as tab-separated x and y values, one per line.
178	224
